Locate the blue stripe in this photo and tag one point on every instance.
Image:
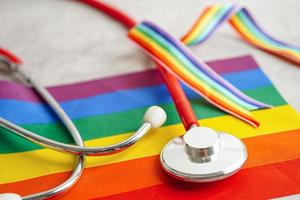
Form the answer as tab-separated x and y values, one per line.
21	112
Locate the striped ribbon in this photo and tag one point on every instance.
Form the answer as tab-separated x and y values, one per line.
249	30
182	63
244	24
178	60
211	18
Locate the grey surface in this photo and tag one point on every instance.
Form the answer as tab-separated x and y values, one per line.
291	197
62	41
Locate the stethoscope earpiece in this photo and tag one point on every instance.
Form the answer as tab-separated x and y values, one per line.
156	116
203	155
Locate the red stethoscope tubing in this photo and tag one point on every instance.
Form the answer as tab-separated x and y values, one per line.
182	104
180	100
10	56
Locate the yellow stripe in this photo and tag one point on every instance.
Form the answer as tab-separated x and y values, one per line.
191	76
202	24
259	42
20	166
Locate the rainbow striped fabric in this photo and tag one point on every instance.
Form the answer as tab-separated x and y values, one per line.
249	30
272	168
208	21
184	65
244	24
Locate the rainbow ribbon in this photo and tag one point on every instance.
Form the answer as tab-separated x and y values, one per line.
249	30
207	23
175	57
245	26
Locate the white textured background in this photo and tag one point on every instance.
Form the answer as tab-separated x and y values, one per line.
62	41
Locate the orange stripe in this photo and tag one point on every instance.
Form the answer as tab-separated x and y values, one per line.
213	98
145	172
263	182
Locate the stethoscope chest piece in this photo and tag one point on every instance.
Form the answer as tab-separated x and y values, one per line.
203	155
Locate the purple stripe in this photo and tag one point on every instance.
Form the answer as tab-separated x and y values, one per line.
11	90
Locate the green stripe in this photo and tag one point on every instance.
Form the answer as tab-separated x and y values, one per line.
122	122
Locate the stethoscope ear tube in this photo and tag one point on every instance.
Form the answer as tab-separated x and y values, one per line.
12	63
156	120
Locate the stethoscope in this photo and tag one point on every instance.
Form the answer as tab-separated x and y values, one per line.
200	155
154	117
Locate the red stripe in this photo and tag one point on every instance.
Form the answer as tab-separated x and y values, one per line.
262	182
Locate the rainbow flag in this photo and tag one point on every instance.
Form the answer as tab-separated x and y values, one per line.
272	169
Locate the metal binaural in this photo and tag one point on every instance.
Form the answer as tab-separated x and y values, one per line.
80	163
74	149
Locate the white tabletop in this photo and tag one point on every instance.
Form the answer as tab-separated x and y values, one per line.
62	41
